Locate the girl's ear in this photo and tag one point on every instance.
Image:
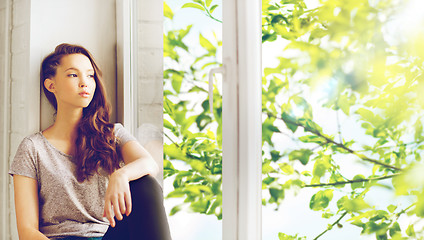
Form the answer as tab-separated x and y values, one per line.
50	85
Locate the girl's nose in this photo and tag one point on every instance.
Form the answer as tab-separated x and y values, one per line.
83	82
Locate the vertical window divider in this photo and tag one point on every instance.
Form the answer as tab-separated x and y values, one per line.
126	23
242	124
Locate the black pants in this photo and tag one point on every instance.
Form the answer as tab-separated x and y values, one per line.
147	219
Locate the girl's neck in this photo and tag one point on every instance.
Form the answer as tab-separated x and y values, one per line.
65	125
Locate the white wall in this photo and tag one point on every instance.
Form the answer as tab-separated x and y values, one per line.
28	32
88	23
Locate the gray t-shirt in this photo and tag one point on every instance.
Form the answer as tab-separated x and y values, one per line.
67	207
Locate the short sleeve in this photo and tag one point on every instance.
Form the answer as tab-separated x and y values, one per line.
24	162
123	135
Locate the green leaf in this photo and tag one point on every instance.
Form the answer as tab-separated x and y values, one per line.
266	168
175	209
215	207
321	166
167	12
318	33
370	117
275	155
310	126
395	229
410	231
176	194
177	80
366	114
283	236
200	206
337	178
168	106
193	5
391	208
173	152
313	139
286	168
302	155
183	33
321	199
198	166
279	19
418	130
269	37
344	104
268	180
206	44
289	121
356	185
277	195
341	202
352	205
202	121
167	124
268	129
213	8
327	215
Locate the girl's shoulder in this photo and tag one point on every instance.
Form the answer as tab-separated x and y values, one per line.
122	134
26	158
32	140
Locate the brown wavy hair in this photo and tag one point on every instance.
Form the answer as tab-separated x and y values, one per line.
96	145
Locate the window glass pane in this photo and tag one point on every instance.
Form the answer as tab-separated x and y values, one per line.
192	135
342	119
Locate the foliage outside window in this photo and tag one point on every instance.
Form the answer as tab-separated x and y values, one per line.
340	58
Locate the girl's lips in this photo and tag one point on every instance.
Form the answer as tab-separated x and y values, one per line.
84	94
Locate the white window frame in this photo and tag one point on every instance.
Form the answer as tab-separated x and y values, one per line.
242	124
131	46
242	93
126	22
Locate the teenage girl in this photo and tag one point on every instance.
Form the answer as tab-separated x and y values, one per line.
73	179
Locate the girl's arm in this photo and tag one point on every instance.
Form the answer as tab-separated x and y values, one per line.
138	163
26	205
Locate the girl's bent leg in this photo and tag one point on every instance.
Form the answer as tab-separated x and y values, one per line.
147	219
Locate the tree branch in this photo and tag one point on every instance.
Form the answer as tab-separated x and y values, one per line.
176	144
209	14
352	181
339	145
332	225
404	210
339	128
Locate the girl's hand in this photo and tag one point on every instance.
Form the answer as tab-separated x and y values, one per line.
117	198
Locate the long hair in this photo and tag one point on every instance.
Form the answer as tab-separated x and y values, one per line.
95	145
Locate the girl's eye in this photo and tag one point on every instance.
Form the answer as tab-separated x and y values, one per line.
91	76
72	75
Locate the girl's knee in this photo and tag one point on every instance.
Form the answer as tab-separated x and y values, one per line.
146	187
148	215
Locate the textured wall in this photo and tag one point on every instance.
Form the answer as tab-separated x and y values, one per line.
150	76
23	117
4	96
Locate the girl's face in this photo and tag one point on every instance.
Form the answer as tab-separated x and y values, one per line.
74	83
